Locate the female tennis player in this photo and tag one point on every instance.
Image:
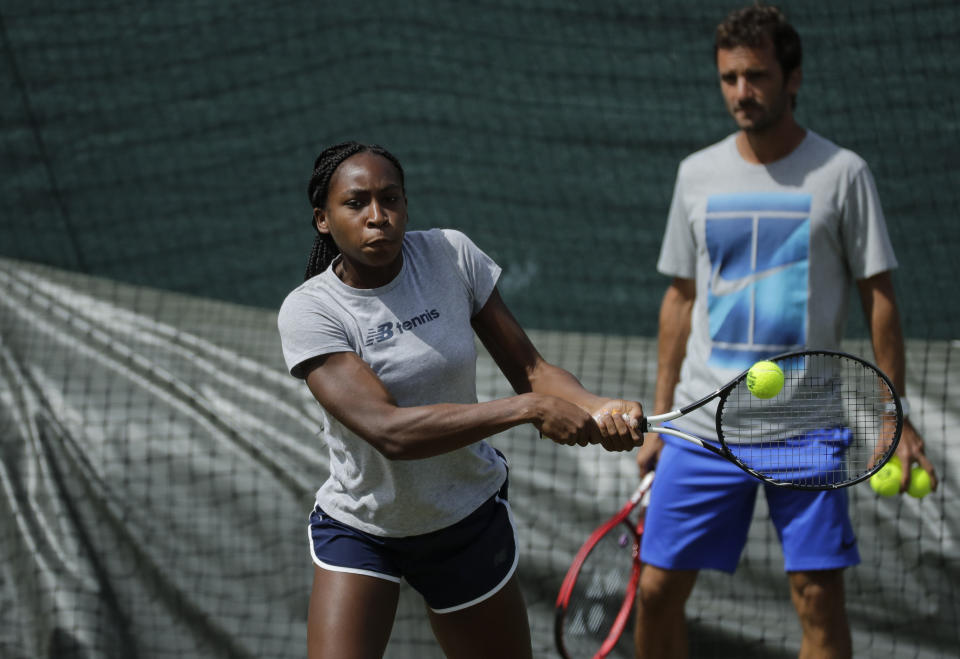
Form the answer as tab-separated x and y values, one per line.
382	331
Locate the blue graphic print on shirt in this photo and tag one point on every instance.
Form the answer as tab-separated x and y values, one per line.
759	255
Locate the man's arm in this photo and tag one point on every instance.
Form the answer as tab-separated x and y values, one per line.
676	311
880	307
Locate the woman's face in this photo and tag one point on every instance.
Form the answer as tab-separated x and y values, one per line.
366	214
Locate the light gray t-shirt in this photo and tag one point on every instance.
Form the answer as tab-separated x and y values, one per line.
774	250
415	334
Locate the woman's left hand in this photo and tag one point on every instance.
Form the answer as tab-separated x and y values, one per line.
619	423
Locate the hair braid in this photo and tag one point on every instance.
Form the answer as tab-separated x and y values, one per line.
324	248
322	253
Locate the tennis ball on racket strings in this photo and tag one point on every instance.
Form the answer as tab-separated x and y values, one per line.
886	482
765	379
919	483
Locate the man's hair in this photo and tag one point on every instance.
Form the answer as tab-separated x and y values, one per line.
754	27
324	249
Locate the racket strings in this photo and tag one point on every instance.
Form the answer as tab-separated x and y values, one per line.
599	591
834	419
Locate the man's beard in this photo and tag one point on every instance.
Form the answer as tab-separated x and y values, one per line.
768	117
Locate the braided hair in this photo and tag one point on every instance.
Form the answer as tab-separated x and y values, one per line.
324	249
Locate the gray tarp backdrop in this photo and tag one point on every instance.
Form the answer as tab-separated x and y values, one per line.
158	464
158	467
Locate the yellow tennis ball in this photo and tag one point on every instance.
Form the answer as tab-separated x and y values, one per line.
919	483
886	482
765	379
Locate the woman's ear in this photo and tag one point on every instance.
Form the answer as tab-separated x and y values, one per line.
320	220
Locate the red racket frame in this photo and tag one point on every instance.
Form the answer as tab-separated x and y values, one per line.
566	587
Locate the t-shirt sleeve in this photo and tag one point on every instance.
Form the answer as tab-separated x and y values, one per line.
308	331
865	238
678	251
479	272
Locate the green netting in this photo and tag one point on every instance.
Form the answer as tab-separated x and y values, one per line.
169	144
157	461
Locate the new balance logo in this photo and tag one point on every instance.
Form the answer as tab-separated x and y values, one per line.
381	333
386	331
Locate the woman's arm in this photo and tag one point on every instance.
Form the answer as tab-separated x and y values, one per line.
348	389
527	371
548	397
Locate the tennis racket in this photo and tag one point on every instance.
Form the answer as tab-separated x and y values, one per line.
836	422
596	595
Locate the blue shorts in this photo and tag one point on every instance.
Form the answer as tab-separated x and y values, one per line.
701	507
453	568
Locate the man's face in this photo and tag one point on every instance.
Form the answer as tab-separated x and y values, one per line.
753	87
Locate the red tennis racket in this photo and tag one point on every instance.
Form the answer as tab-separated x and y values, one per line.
597	594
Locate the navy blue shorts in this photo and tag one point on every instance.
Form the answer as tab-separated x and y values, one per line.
452	568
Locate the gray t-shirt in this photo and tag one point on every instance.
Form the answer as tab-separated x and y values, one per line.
415	334
774	250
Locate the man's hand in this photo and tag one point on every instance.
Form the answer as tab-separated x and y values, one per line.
910	451
649	454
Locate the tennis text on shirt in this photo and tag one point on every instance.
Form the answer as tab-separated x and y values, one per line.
385	331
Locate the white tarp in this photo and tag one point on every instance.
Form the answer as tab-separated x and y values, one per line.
158	465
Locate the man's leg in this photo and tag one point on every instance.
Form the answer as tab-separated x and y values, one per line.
818	596
818	544
661	630
698	518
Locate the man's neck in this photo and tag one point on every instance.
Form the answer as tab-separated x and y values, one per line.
772	144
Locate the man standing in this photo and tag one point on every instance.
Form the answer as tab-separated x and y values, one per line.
778	213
